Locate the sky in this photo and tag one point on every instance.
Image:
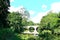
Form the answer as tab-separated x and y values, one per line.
36	8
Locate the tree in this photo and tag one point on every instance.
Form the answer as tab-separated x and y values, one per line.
4	4
25	16
24	22
30	23
15	20
49	28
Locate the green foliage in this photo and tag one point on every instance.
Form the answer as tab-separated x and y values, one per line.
30	23
31	38
15	20
24	22
50	18
7	34
26	36
49	26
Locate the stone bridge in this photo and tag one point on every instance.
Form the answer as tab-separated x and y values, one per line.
34	32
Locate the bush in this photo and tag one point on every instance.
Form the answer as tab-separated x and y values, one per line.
31	38
7	34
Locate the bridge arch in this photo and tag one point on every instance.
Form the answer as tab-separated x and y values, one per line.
34	32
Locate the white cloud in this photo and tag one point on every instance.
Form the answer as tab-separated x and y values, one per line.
11	0
39	16
31	12
14	9
55	7
44	7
